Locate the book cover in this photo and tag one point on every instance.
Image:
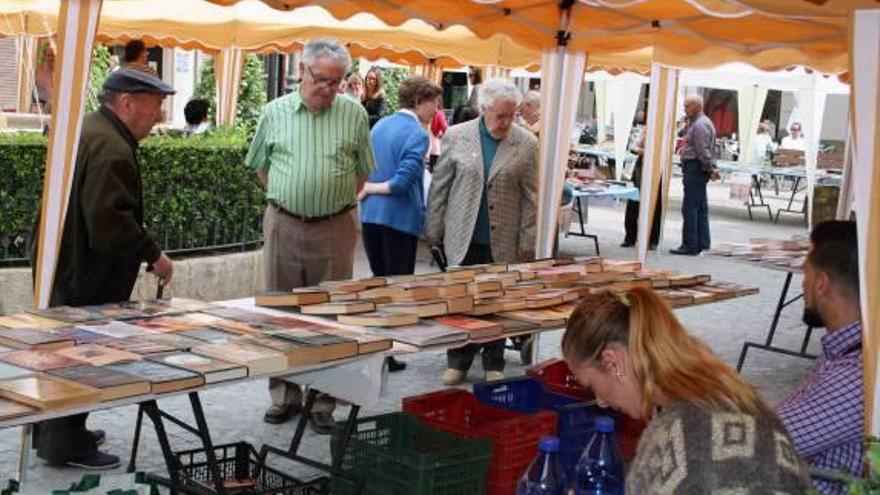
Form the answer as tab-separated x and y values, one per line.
544	300
422	334
339	308
523	289
162	378
37	360
506	279
116	329
112	384
209	320
259	360
9	409
137	345
367	343
176	341
27	320
688	280
372	282
485	306
341	286
511	326
214	370
378	318
79	335
28	338
48	393
8	371
98	355
209	335
476	327
68	314
163	324
313	346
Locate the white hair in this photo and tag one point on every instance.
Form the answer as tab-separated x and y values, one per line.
694	98
326	48
532	98
496	90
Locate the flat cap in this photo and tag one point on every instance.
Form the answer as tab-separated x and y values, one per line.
133	80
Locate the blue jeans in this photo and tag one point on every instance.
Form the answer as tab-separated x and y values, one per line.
695	207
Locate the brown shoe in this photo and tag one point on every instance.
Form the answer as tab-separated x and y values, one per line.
277	414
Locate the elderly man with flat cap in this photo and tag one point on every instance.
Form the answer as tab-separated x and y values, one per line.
104	241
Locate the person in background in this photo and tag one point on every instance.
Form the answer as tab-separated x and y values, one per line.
135	55
631	217
771	129
438	129
196	114
482	203
464	113
392	200
104	240
309	227
708	430
825	414
530	112
374	96
762	145
43	80
354	86
698	167
475	75
794	140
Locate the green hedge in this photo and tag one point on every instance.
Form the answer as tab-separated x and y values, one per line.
197	193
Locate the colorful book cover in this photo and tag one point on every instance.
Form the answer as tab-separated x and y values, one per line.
37	360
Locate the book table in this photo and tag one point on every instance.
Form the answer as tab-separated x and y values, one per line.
350	371
783	302
614	191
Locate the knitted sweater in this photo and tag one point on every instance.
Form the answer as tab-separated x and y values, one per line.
687	449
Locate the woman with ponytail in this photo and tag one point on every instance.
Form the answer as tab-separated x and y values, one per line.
708	431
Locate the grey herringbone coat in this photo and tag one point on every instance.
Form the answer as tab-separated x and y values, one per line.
457	186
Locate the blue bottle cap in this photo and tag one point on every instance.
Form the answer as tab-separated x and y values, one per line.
549	444
605	424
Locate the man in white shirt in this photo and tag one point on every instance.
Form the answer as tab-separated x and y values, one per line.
795	140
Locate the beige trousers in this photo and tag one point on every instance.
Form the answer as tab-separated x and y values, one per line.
300	254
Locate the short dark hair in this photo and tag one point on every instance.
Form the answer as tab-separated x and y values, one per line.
196	111
835	250
464	113
415	90
108	97
133	50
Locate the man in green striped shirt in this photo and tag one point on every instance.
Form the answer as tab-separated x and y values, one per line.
312	152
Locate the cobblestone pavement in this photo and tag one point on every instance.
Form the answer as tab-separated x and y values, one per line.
235	412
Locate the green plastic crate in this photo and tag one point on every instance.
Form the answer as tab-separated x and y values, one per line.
397	455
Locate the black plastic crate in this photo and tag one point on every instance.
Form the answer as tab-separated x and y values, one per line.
242	472
394	454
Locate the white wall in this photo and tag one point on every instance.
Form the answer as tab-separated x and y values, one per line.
182	71
834	121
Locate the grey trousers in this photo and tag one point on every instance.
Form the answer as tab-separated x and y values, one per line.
300	254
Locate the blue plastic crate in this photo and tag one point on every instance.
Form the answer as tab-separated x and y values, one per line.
528	395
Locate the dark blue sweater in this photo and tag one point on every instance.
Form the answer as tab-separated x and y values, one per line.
399	145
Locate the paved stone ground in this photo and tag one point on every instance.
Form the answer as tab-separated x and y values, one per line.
235	412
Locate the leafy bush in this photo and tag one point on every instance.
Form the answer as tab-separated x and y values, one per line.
98	72
391	79
251	92
197	193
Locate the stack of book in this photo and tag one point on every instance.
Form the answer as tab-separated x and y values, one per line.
66	357
450	307
783	253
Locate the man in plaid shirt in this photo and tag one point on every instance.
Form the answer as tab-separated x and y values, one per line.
825	415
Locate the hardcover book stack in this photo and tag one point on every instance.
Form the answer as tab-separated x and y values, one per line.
66	357
481	303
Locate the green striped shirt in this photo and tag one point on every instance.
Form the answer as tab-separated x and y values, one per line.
313	158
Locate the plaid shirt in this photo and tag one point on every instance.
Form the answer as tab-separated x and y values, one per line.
825	415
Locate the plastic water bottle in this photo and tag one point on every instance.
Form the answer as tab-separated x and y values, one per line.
600	468
544	476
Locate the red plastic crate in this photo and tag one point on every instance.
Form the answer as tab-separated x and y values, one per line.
514	436
556	376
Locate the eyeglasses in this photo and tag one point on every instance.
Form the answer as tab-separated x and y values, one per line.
502	116
324	81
